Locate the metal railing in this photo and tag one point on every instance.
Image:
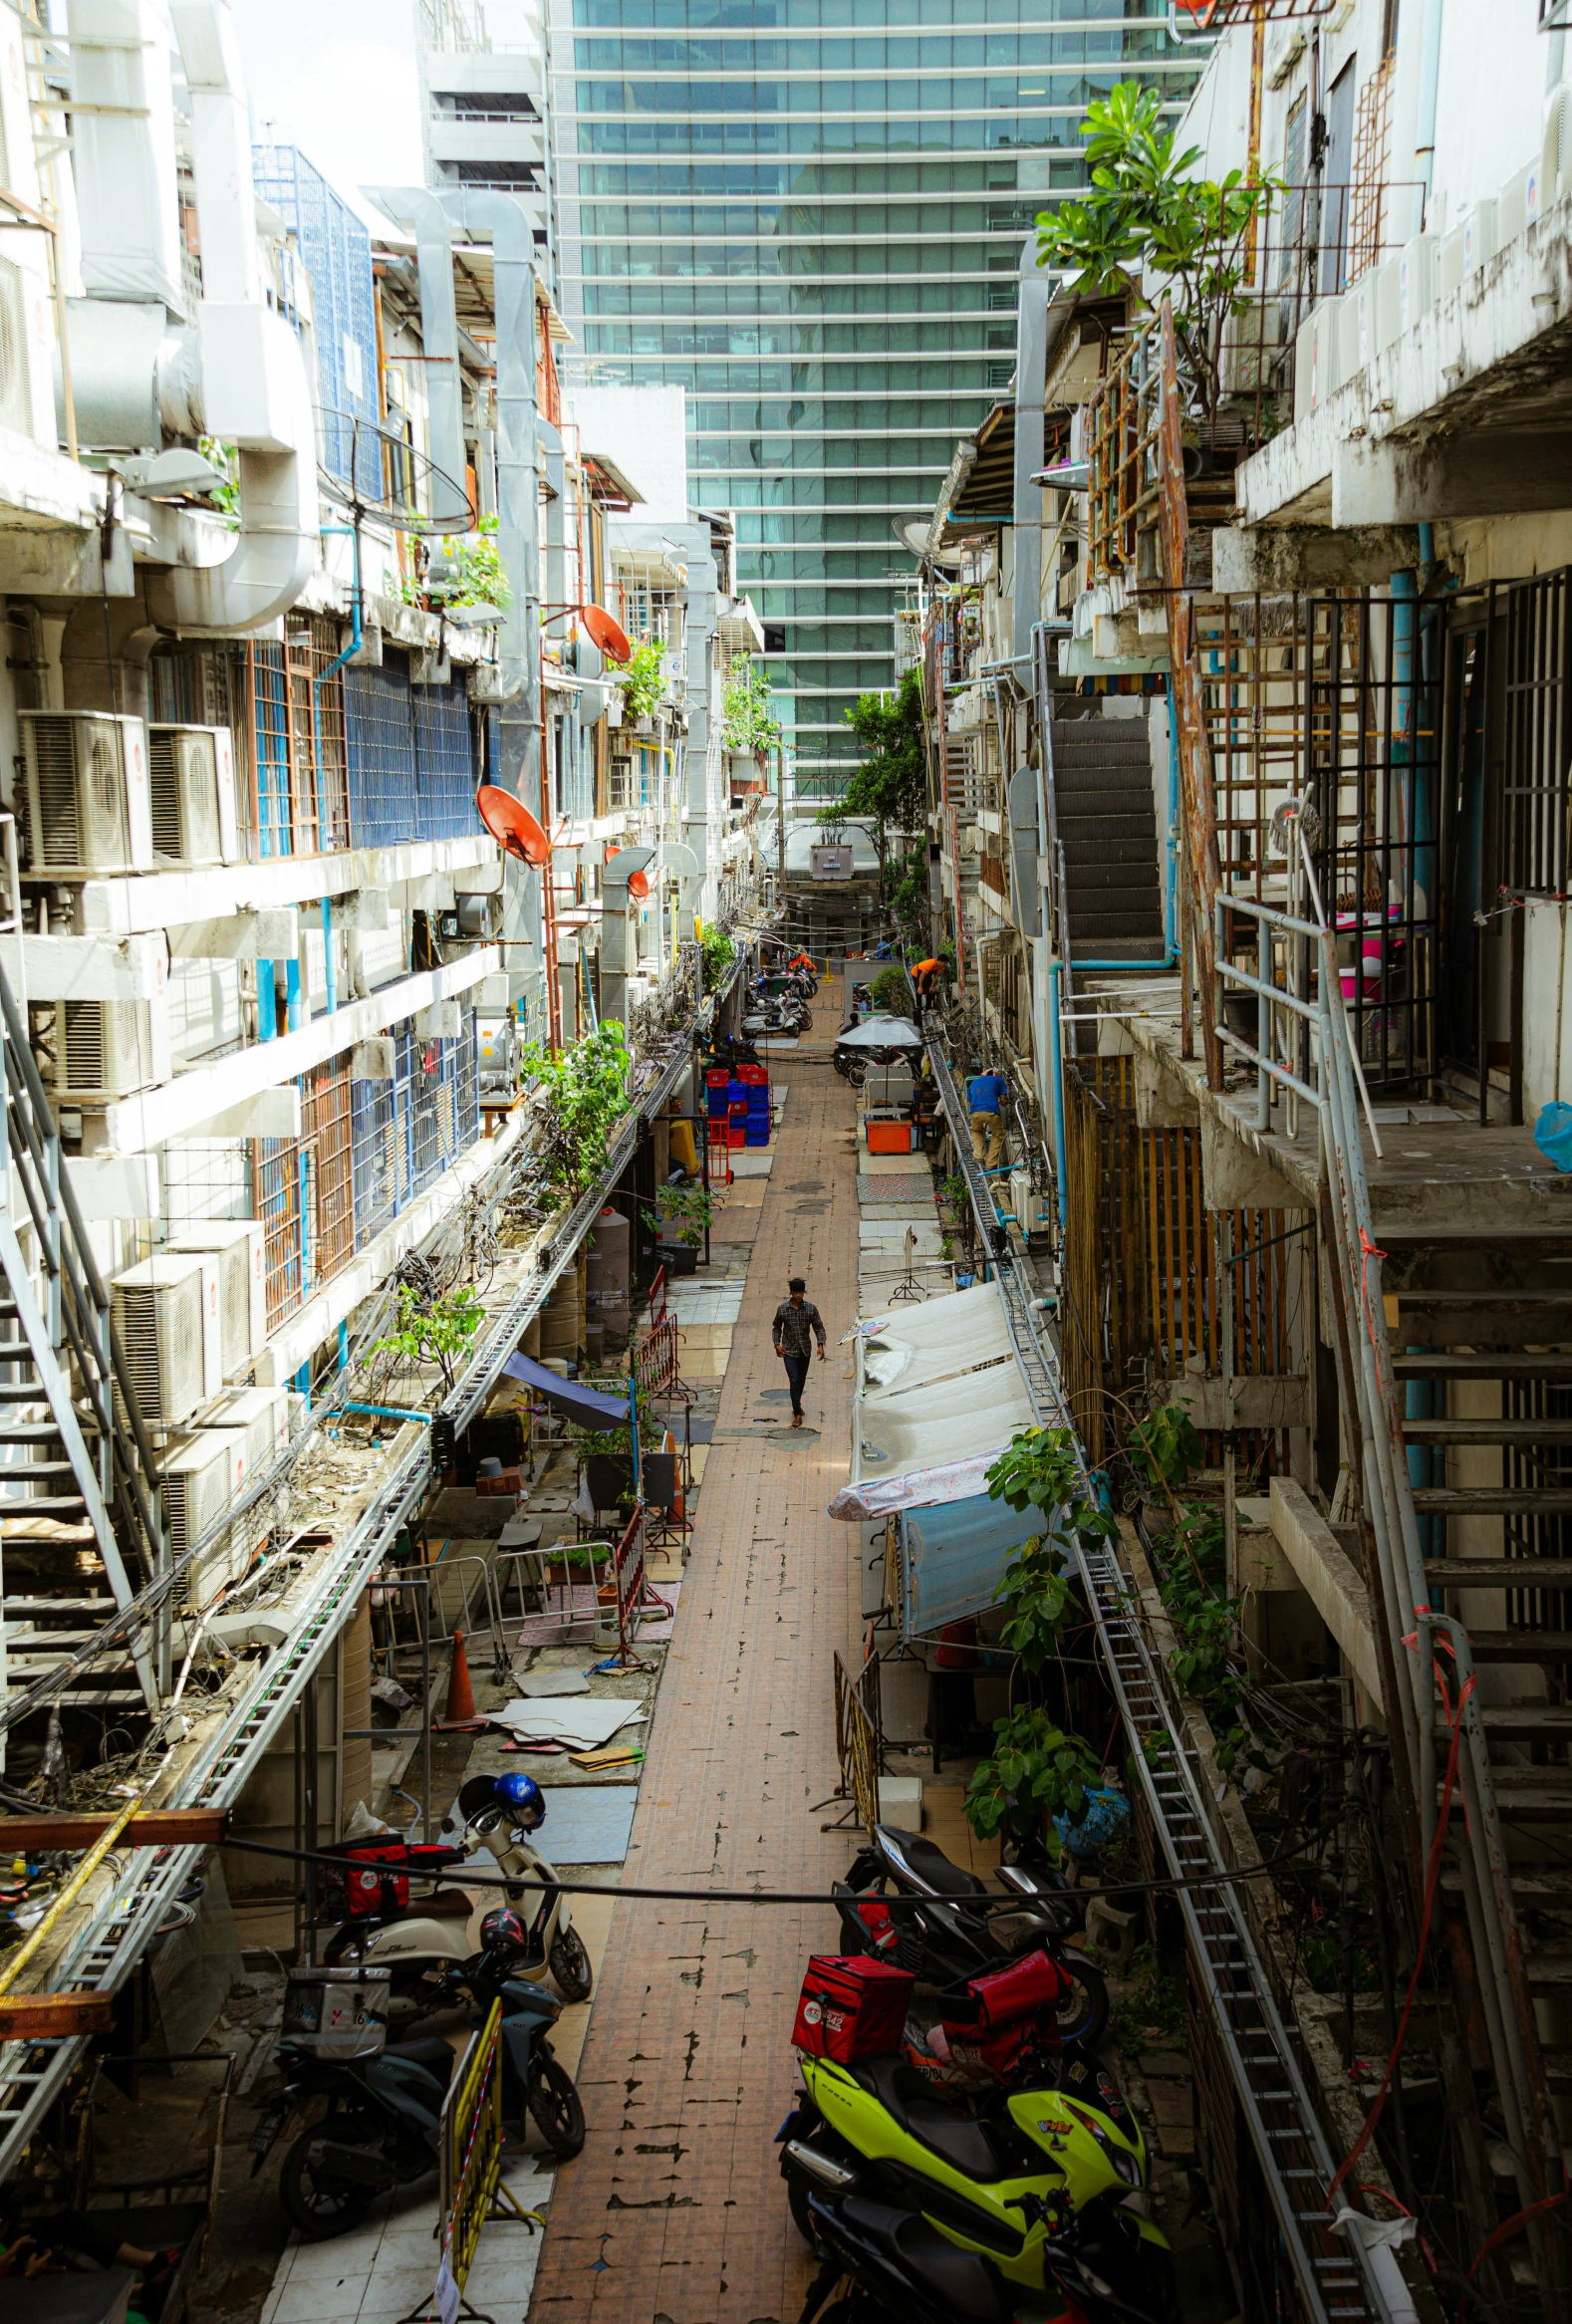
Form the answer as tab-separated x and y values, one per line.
1303	1019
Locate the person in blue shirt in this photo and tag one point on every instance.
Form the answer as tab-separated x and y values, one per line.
985	1096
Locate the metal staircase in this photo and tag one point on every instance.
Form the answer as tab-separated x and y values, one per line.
75	1477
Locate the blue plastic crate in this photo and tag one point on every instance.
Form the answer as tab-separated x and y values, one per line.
758	1132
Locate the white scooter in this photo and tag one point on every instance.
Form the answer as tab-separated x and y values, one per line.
427	1953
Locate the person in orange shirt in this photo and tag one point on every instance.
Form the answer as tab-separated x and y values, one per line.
928	977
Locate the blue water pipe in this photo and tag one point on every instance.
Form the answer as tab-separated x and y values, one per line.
267	1001
344	1343
303	1381
389	1412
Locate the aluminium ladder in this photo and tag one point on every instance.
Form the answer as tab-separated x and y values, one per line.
1338	2281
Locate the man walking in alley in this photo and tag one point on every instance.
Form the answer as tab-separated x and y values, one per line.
797	1320
985	1096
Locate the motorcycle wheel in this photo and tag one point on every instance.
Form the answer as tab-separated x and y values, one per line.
1083	2013
316	2204
570	1965
801	2217
555	2104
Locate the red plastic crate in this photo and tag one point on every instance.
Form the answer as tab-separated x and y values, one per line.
717	1078
754	1073
736	1133
852	2008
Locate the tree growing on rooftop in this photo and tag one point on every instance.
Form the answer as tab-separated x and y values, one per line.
1148	213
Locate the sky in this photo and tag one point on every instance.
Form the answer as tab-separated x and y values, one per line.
337	79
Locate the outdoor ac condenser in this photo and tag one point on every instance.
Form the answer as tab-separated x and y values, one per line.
201	1479
192	786
166	1312
85	797
237	1244
260	1416
111	1048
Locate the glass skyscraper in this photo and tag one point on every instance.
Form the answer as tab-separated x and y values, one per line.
810	213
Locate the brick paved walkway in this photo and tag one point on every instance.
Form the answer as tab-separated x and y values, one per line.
674	2210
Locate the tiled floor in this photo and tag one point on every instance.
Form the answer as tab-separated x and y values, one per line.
674	2210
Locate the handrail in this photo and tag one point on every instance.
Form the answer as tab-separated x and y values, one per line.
1409	1620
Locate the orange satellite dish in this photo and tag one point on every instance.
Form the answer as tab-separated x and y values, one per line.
639	884
606	633
512	826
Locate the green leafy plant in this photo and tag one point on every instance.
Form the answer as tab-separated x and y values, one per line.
908	896
1034	1772
718	952
1146	212
467	570
1155	2005
1041	1469
746	723
642	676
1165	1448
680	1214
586	1088
226	458
1039	1597
889	791
888	992
437	1331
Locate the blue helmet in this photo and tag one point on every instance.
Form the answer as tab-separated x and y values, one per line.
523	1795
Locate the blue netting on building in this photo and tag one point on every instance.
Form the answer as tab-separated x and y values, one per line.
336	251
407	1132
411	765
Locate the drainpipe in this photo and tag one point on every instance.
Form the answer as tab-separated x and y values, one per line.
254	390
554	463
615	897
330	971
1425	125
1026	505
1056	1067
422	216
497	218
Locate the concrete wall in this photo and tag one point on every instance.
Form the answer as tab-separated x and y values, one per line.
644	430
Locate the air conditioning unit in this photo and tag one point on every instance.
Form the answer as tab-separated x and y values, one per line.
85	798
261	1416
237	1244
166	1311
202	1481
191	788
111	1048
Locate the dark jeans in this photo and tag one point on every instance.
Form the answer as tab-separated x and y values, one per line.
797	1374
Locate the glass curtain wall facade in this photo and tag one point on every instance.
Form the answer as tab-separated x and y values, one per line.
809	213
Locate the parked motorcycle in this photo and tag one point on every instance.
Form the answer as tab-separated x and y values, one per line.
381	2124
948	1928
497	1814
1019	2195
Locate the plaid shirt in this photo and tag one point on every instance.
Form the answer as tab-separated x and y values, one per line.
795	1328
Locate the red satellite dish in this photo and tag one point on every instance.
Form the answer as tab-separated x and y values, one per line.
607	634
512	826
639	884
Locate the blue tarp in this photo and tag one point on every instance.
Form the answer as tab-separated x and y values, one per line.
953	1558
586	1407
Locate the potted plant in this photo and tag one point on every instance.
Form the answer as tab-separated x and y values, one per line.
680	1218
606	1457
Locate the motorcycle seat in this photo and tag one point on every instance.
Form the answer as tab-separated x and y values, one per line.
435	2054
930	1863
967	2146
962	2281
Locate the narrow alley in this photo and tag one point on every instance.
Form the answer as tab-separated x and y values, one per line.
675	2205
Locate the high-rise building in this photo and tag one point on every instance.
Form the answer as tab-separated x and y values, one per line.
810	215
484	108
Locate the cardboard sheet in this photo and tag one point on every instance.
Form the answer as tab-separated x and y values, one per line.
581	1724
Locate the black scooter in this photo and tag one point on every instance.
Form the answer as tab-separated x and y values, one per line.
905	1902
381	2125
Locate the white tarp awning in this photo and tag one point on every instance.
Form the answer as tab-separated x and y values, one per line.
937	1384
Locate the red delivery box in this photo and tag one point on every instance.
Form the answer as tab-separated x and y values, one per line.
852	2008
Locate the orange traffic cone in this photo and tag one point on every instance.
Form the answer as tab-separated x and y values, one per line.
461	1711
